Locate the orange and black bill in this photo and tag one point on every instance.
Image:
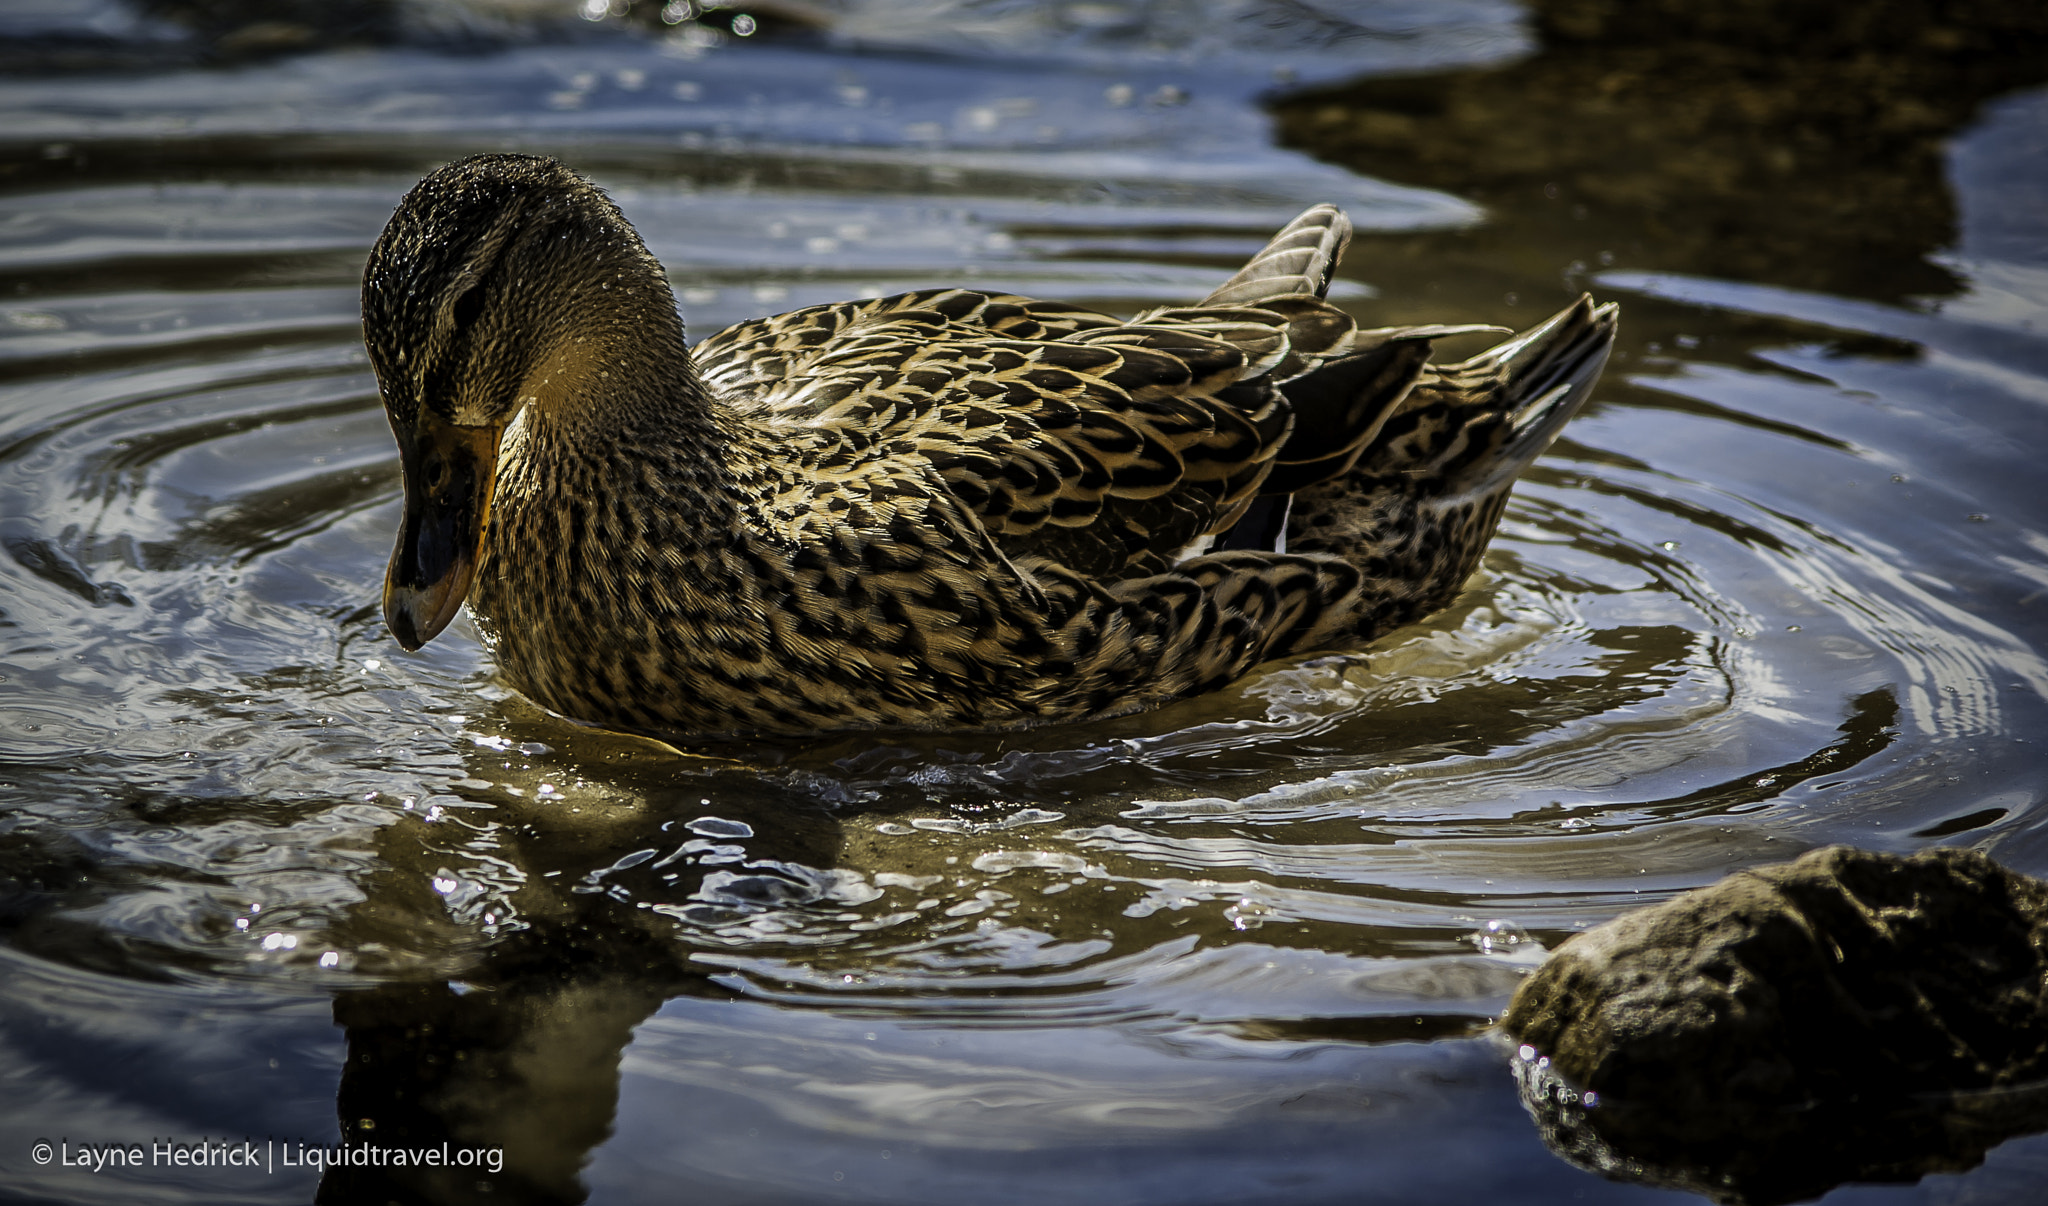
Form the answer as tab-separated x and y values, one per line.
449	469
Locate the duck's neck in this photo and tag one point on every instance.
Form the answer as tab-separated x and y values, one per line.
627	381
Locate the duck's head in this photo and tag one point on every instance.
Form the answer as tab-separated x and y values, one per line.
503	281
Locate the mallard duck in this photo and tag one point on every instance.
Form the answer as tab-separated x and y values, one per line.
944	509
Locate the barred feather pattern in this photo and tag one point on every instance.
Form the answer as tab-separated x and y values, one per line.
949	508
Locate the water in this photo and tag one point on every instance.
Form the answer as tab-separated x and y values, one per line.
267	876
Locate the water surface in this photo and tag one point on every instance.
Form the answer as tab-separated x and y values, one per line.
1784	584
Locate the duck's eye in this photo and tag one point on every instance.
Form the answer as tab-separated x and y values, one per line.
467	307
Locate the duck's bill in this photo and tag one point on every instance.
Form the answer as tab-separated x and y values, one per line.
449	470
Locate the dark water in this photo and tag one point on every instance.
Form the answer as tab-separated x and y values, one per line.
265	876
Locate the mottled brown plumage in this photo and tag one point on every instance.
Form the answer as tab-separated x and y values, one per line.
942	509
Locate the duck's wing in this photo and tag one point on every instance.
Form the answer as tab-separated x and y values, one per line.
1110	447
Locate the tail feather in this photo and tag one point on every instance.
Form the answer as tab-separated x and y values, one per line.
1477	424
1415	512
1568	347
1300	259
1536	381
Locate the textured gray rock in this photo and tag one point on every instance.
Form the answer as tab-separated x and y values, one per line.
1847	1016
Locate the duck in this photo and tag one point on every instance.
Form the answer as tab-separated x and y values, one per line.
948	509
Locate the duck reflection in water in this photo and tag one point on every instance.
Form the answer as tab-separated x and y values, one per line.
522	1052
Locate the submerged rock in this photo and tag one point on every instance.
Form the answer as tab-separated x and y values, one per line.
1847	1016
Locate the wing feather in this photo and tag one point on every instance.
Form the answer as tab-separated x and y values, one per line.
1106	446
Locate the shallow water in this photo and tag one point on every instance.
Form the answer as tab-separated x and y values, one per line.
1784	584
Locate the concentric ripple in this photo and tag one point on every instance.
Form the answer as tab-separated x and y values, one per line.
1662	672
